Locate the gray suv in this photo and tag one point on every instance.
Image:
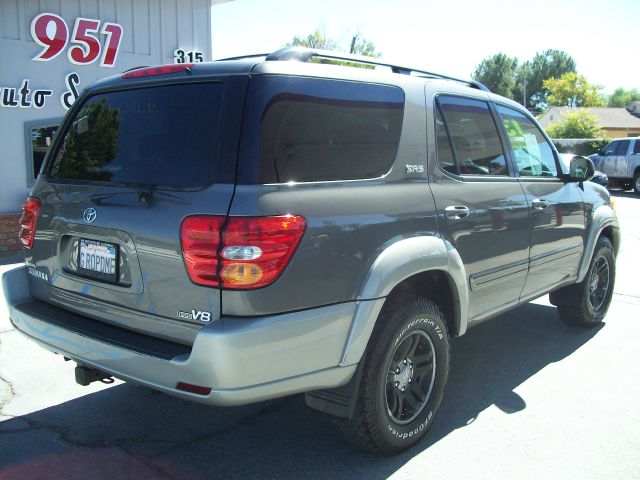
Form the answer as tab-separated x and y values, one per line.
240	230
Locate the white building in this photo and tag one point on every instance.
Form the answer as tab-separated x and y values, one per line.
50	50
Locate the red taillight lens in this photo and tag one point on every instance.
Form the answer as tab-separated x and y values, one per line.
159	70
30	211
255	250
253	253
200	238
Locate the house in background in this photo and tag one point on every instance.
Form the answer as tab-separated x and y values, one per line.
615	122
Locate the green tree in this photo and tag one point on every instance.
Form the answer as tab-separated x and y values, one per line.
357	45
362	46
580	124
498	73
316	39
531	76
573	90
621	97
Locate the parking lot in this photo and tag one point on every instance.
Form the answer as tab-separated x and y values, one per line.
528	397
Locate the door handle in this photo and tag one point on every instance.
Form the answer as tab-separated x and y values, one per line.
457	212
540	204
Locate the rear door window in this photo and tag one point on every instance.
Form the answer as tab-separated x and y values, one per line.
166	136
309	129
474	136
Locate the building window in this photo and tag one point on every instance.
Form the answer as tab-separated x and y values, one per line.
39	136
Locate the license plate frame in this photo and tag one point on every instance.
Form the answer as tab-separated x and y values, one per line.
103	252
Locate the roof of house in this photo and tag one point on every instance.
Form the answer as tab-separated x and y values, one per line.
609	117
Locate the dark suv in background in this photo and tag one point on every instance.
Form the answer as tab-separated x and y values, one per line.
240	230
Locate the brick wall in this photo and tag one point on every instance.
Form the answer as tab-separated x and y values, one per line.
9	242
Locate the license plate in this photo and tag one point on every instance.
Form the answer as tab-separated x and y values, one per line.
98	260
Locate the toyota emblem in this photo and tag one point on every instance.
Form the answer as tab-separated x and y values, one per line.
89	215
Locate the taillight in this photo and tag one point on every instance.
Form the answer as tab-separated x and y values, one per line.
200	238
249	252
159	70
30	211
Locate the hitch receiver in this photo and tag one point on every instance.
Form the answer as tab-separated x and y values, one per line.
86	375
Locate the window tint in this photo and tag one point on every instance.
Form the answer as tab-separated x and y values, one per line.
636	147
476	144
622	148
161	136
531	152
320	130
41	138
445	154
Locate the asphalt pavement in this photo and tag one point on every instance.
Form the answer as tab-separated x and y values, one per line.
528	397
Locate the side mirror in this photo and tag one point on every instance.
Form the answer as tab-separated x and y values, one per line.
581	169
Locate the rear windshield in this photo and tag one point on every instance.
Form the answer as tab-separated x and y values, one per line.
165	136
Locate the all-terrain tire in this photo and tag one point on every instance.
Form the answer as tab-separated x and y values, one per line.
386	380
586	303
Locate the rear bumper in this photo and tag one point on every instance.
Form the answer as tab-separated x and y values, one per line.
242	360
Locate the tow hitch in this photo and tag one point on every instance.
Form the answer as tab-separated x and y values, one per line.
86	375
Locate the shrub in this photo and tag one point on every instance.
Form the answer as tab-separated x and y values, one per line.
580	124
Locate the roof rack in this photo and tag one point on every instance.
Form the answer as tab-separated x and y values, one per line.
302	54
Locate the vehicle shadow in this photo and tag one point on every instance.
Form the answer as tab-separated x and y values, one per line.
128	431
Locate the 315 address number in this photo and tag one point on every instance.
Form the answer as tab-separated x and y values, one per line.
187	56
51	32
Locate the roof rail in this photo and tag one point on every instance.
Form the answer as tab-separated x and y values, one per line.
302	54
242	57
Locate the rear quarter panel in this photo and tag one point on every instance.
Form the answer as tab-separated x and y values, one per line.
349	223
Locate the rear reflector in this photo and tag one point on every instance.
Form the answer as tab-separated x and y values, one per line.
197	389
30	211
159	70
246	252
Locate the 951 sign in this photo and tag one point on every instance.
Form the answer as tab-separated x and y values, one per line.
51	32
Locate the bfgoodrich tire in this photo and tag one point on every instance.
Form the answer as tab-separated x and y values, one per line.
586	303
405	373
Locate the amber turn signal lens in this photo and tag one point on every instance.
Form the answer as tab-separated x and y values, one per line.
241	274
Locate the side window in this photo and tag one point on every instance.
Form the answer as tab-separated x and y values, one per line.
622	148
532	153
322	130
445	153
476	144
610	149
39	137
636	147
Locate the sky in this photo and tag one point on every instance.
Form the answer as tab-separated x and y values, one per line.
448	36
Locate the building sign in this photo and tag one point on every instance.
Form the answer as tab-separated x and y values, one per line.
52	33
25	97
89	41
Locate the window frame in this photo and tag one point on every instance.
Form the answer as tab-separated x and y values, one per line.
510	176
558	175
28	129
